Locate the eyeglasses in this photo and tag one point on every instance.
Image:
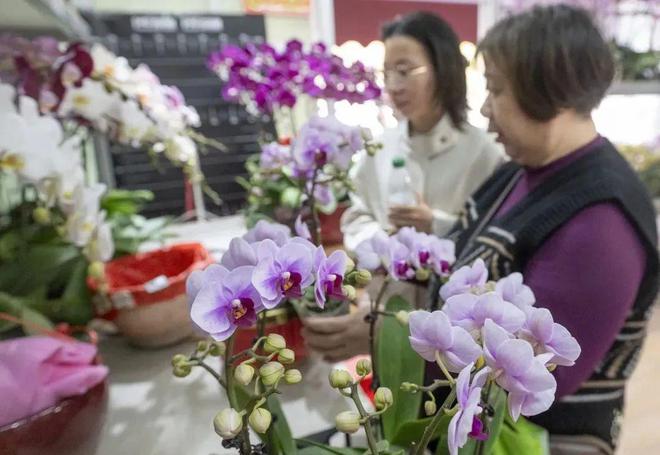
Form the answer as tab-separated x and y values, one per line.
402	75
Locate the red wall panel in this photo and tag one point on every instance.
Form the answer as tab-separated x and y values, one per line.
361	20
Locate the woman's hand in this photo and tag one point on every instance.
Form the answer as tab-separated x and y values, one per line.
341	337
419	216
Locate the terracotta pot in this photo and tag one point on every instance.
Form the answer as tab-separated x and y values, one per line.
331	226
156	325
72	427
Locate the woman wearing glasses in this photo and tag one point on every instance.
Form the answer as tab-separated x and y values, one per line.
446	157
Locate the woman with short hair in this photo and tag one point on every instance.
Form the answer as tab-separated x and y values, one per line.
567	211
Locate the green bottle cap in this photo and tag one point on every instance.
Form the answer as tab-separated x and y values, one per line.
398	162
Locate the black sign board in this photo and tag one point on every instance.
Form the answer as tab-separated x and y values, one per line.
175	47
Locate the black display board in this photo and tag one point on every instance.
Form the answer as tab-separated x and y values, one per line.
176	47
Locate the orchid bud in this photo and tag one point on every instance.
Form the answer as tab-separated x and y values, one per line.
409	387
403	317
228	423
383	398
430	408
362	278
181	370
363	367
422	274
350	265
271	372
96	270
349	291
218	349
286	357
41	215
202	346
340	379
274	343
260	419
244	373
347	422
178	359
292	376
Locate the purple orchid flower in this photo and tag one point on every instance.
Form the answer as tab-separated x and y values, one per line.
466	421
410	237
464	279
546	336
276	232
443	255
373	252
197	278
471	312
329	275
274	156
225	301
399	265
301	228
240	253
514	367
432	333
512	289
283	275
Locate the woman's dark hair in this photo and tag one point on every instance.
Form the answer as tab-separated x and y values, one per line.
554	57
441	45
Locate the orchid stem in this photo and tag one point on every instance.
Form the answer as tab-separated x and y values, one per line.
432	428
372	329
217	377
444	368
371	439
311	197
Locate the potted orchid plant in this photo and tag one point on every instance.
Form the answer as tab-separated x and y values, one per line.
494	349
55	229
276	83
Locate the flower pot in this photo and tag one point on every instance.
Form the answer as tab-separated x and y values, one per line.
147	294
331	226
72	427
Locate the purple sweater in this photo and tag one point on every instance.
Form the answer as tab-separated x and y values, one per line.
587	273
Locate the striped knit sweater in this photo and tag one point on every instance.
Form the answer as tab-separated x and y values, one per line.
508	239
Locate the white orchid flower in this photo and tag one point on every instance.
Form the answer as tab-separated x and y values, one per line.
29	141
108	66
83	214
90	101
181	149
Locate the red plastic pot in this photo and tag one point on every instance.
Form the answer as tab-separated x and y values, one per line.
146	295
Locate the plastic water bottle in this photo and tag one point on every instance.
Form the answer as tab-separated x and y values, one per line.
399	186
